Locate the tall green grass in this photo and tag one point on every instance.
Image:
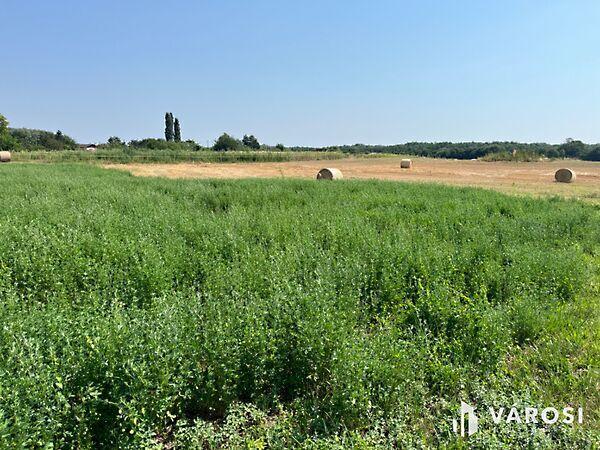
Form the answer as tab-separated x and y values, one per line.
141	313
130	155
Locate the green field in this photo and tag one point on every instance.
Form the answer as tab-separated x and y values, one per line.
132	155
149	313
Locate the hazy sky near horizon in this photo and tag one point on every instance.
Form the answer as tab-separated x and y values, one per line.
316	72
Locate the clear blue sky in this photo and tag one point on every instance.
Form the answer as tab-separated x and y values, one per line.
313	72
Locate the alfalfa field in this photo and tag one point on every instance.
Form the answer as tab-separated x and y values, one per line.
143	312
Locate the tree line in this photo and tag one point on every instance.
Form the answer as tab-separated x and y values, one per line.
15	139
571	148
24	139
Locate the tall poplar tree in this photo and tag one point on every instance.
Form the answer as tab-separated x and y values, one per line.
177	130
169	127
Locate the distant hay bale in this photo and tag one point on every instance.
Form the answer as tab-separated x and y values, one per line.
565	176
406	164
4	156
330	174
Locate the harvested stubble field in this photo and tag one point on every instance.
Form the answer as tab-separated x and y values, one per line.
154	313
535	178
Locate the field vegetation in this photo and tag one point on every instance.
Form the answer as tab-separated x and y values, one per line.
145	155
523	156
149	313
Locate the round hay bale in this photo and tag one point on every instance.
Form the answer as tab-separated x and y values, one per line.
4	156
330	174
565	176
406	164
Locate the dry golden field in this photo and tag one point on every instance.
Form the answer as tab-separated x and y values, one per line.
535	178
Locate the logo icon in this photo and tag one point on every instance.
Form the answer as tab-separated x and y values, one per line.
472	422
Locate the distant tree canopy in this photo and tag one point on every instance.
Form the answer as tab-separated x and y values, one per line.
161	144
572	148
226	143
280	147
115	141
28	139
466	150
593	154
251	142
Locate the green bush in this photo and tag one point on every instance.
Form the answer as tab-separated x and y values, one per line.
251	142
227	143
8	143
